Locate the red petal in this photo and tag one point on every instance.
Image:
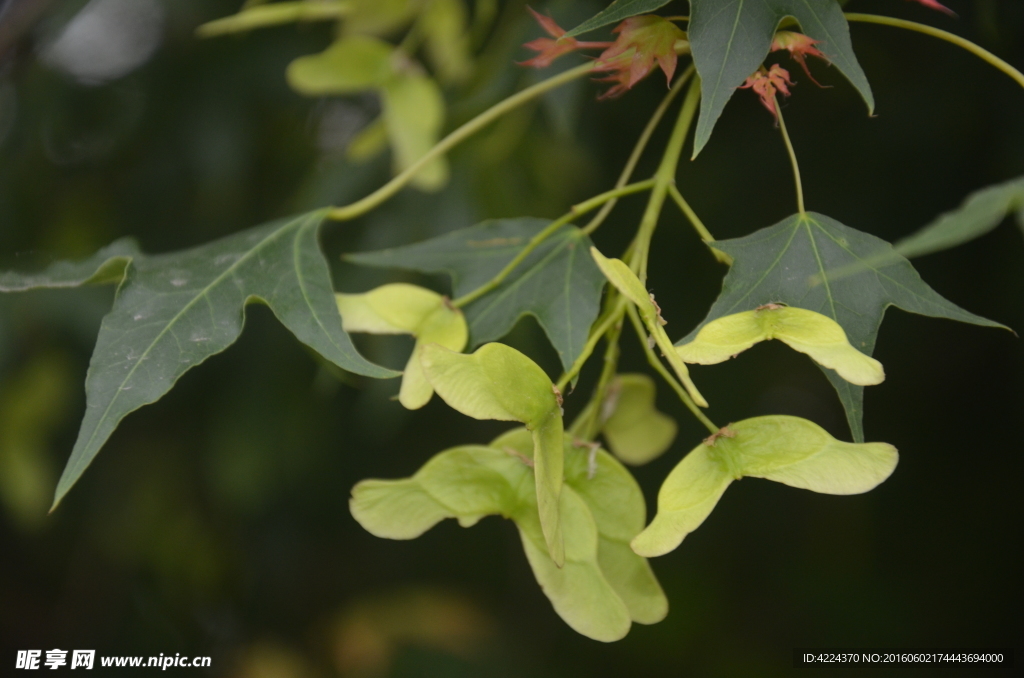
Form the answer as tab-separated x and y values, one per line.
668	65
934	4
549	51
547	23
640	67
799	58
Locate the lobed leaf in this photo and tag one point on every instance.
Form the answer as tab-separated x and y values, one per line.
106	266
557	283
814	262
730	38
785	449
499	382
981	212
617	11
818	336
174	311
635	430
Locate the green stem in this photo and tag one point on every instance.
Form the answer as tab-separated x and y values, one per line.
589	422
456	137
638	150
581	426
665	374
613	316
792	159
663	178
611	364
942	35
698	225
535	241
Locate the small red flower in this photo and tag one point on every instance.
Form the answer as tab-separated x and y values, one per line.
642	41
552	49
766	83
800	47
934	4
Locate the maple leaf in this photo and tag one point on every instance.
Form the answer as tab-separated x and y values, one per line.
642	41
800	47
934	4
550	49
812	261
766	83
556	284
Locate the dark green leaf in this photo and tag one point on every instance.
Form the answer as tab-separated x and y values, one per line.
730	39
106	266
981	212
558	282
617	11
174	311
814	262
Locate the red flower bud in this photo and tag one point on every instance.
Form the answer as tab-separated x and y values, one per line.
552	49
800	47
642	41
766	83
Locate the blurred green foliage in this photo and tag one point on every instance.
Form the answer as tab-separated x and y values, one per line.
216	522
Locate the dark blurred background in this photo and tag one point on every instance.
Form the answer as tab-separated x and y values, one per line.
215	522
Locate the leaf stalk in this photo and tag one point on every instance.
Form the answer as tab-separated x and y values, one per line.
641	144
652	358
575	211
603	326
456	137
792	159
974	49
663	178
